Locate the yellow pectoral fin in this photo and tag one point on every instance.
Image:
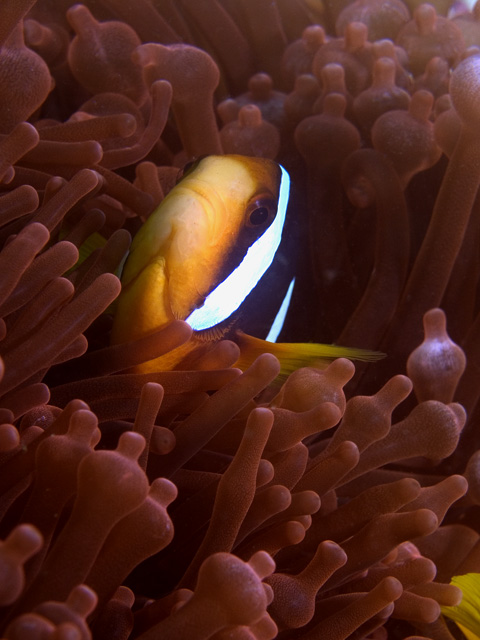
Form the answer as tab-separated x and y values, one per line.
294	355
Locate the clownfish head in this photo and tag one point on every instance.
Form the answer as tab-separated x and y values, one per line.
205	248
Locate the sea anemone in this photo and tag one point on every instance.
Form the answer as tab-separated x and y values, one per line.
207	502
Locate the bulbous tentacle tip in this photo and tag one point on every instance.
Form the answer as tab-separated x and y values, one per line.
262	563
261	86
421	105
131	445
250	134
82	426
23	542
163	491
9	438
266	365
314	36
425	16
436	366
82	600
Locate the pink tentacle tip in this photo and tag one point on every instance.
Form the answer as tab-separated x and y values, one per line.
9	438
437	365
72	613
22	543
83	426
131	445
82	600
163	491
262	563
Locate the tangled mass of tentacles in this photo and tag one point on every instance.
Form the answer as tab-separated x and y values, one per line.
211	503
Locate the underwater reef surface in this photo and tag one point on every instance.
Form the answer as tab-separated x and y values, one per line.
207	502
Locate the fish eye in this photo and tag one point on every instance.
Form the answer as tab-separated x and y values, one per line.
260	213
259	216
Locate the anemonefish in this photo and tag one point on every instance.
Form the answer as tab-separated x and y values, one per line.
202	254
